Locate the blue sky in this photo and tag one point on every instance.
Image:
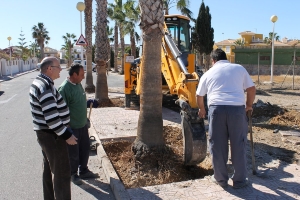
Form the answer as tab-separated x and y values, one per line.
229	18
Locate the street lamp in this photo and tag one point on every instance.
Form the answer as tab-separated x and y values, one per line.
9	38
273	19
80	7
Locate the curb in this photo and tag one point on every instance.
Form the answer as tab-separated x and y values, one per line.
17	75
112	177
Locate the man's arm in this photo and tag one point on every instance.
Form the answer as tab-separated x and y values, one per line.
200	103
251	91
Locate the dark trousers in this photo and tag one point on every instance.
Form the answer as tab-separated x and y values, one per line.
56	162
228	122
79	154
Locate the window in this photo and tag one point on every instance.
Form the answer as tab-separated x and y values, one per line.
264	58
227	49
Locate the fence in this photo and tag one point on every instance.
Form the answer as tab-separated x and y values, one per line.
16	66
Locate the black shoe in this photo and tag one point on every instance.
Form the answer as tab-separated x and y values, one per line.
76	179
240	185
88	174
223	185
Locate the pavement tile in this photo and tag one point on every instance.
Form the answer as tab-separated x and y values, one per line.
283	181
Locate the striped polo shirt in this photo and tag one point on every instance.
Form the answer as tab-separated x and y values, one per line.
49	111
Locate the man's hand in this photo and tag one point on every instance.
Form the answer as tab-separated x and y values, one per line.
72	140
200	103
202	113
251	91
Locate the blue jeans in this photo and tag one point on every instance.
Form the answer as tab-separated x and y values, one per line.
228	123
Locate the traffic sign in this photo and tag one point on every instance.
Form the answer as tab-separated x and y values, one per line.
81	41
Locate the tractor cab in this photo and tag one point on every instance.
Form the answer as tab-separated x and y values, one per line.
179	28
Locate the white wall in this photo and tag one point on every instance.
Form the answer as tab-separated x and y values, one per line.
16	66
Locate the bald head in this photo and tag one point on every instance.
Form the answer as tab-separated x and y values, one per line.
50	67
46	62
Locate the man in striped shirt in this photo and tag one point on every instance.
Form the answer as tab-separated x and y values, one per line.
50	121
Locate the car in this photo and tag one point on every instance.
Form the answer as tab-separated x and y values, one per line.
38	66
84	64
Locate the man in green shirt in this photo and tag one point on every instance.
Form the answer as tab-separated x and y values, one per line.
75	98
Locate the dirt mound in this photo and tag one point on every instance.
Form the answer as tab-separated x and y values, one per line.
113	102
157	168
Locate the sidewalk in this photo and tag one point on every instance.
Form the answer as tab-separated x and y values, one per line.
283	181
7	78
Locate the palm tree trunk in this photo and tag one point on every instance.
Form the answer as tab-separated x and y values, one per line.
42	50
89	85
122	48
109	55
101	53
150	124
132	42
116	39
70	57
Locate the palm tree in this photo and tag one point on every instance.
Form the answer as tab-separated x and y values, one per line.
132	16
268	40
239	42
40	34
181	5
101	52
150	124
114	14
110	40
69	44
119	16
89	85
33	48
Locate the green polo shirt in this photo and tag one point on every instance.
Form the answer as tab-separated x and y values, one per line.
75	97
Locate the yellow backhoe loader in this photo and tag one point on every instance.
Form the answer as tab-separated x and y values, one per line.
180	79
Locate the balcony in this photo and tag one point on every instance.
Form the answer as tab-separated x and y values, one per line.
257	40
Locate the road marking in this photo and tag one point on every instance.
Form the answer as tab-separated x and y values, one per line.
1	102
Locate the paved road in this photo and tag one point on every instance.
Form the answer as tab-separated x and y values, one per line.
20	155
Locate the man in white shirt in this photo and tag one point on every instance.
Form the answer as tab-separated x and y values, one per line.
224	85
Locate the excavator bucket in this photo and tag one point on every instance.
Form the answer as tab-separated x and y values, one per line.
194	139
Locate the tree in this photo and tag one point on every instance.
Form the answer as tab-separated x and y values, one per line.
119	16
114	13
181	5
34	48
89	85
40	34
268	40
132	15
101	52
203	34
22	46
239	42
150	124
110	40
69	44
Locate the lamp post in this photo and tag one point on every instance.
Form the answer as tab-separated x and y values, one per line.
9	38
273	19
80	7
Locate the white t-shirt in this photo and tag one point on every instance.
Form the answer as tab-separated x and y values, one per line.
224	84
